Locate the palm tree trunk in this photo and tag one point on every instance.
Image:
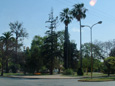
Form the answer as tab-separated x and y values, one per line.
80	72
66	47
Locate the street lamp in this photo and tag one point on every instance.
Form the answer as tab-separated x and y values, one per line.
100	22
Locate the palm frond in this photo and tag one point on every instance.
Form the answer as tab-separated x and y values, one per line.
79	12
65	16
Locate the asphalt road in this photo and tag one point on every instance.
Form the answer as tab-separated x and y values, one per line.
50	82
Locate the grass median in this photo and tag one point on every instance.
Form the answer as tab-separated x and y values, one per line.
102	79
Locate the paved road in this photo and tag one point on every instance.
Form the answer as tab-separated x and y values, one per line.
50	82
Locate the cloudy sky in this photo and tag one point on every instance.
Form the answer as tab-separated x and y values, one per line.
34	13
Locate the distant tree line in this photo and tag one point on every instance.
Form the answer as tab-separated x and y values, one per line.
55	50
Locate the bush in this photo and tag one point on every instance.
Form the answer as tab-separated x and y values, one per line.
80	72
44	70
68	72
14	68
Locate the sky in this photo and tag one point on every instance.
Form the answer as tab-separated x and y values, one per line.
34	13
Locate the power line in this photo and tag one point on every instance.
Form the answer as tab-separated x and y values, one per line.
63	2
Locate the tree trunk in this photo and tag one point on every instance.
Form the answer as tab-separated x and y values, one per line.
52	56
59	70
87	71
7	69
51	68
80	72
6	57
109	70
2	63
2	70
51	71
16	59
66	44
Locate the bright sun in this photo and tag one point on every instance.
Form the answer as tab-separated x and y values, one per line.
93	2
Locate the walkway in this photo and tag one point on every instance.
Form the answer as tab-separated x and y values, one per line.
46	77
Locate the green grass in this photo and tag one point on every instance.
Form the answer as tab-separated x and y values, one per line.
95	74
98	79
89	74
16	74
21	74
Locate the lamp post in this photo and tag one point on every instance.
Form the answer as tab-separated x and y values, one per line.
100	22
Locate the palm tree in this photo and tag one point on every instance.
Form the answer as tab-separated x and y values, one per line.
79	12
7	37
66	18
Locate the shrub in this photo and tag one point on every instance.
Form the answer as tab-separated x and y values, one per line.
14	69
80	72
68	72
37	73
44	70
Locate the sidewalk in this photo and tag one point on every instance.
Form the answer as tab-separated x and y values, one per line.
46	77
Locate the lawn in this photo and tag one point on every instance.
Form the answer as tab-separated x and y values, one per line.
94	74
98	79
15	74
22	74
